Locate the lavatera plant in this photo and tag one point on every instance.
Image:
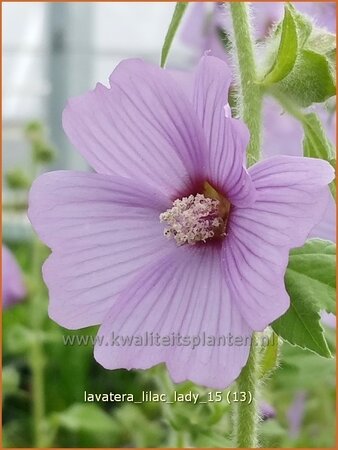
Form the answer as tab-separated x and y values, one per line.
173	235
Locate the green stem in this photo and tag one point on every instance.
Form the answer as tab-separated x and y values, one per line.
37	360
246	414
37	354
250	109
250	98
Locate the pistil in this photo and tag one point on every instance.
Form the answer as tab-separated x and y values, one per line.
197	218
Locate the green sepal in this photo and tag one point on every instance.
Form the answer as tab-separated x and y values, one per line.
311	80
287	51
302	66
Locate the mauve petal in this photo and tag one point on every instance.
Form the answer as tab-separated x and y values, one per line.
283	135
185	79
295	414
13	288
266	411
102	230
227	138
292	195
326	228
187	294
328	319
143	127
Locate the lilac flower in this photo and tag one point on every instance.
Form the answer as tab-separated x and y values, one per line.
171	236
202	28
13	288
295	414
328	319
282	134
267	411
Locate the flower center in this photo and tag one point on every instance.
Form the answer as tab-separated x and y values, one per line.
197	218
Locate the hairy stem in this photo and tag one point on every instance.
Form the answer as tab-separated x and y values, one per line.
246	415
250	95
250	109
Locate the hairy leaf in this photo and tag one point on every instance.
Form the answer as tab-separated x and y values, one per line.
175	21
310	282
287	51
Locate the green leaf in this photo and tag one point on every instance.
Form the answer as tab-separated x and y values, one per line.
316	143
175	21
269	359
315	264
311	80
300	325
87	417
287	51
322	42
310	282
